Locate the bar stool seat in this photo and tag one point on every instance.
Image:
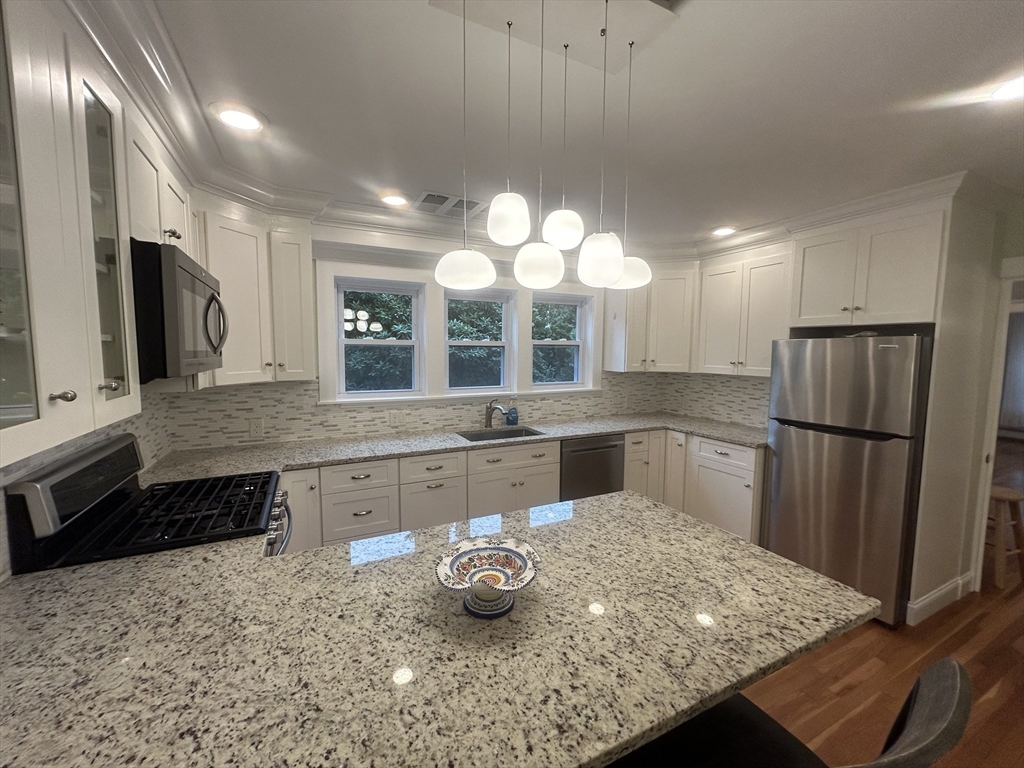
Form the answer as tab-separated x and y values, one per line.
1005	504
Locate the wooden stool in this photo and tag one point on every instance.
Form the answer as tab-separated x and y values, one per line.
1005	504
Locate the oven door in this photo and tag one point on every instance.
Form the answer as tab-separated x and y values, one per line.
196	336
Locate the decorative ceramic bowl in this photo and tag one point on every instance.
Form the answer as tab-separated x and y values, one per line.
489	571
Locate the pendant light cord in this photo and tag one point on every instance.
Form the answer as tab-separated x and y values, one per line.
629	104
604	113
465	206
540	164
565	112
508	145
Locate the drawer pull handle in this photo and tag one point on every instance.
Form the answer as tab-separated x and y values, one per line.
721	453
493	461
359	477
435	467
435	485
746	485
362	513
538	455
637	442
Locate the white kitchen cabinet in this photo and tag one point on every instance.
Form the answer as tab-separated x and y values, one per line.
879	273
494	493
675	469
294	316
533	454
237	257
433	503
644	466
303	491
435	466
158	203
634	473
656	465
743	308
337	478
174	214
649	328
724	490
367	512
538	486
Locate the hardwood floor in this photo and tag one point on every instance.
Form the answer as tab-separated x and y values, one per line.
842	699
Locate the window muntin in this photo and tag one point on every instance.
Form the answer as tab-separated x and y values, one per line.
557	349
477	343
378	340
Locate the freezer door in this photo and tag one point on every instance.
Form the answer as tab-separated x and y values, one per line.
838	505
867	383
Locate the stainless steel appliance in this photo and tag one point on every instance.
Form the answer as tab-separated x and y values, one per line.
180	321
845	432
592	466
91	507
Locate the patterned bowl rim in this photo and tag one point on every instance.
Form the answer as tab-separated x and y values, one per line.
443	566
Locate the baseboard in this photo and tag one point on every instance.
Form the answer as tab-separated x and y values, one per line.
920	609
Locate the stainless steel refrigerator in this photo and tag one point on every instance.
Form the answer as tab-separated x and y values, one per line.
845	432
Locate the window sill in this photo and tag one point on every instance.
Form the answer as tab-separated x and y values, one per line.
479	396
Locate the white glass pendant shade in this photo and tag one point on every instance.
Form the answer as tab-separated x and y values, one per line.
563	229
600	262
508	219
636	274
465	270
539	266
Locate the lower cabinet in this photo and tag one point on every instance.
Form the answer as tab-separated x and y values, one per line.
433	502
675	469
634	473
495	493
723	493
304	502
359	513
644	467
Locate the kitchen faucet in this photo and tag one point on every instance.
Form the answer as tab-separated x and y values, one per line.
491	408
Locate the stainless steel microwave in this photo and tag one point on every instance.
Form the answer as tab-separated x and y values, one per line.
180	321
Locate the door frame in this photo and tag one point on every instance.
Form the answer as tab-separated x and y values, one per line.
1012	272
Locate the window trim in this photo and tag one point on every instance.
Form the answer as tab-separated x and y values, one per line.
508	333
584	340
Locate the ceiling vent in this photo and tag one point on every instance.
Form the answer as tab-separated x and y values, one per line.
447	205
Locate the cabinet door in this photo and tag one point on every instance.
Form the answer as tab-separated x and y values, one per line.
656	466
237	255
538	486
824	276
720	495
671	313
764	314
493	493
291	284
174	214
359	513
625	330
635	473
304	502
144	184
720	296
433	503
898	270
675	469
98	126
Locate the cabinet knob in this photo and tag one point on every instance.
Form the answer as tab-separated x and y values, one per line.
647	462
280	365
113	386
739	362
732	362
746	485
855	308
68	396
644	360
653	361
268	365
844	309
522	482
312	487
173	233
513	483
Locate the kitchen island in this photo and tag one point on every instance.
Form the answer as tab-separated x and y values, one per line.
640	618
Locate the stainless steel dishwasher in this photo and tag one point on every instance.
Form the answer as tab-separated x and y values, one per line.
592	466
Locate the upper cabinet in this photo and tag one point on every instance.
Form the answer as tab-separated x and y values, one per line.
649	328
291	288
159	205
878	273
742	310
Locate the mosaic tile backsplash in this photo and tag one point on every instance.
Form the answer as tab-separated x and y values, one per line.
220	416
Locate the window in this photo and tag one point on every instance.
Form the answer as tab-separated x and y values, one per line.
556	342
477	343
379	339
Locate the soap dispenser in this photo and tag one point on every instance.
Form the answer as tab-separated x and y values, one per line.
512	417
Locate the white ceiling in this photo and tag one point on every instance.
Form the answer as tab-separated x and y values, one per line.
744	111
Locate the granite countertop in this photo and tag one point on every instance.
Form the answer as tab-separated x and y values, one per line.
640	618
306	454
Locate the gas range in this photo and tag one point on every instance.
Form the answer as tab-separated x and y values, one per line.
90	507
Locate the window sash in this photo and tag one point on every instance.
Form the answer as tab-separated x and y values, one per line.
503	343
577	364
583	334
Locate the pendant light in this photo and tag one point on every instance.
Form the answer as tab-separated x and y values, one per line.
564	228
601	261
637	272
539	265
464	269
508	217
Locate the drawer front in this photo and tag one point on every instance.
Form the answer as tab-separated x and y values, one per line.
637	442
508	458
726	453
439	465
359	513
365	474
434	502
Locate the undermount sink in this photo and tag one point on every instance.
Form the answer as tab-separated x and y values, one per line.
481	435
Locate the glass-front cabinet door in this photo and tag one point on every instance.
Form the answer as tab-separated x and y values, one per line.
100	160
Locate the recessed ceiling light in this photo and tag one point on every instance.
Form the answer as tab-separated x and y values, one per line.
394	200
1013	89
237	116
723	231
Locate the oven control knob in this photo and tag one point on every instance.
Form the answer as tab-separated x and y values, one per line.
275	514
272	537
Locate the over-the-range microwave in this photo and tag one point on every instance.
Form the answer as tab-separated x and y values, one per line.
180	321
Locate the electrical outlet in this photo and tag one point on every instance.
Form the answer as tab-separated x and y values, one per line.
396	418
256	427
